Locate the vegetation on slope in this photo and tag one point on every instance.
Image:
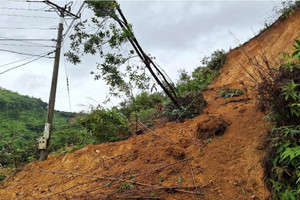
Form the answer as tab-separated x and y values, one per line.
280	96
22	120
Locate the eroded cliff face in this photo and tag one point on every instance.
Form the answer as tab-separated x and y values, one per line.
217	154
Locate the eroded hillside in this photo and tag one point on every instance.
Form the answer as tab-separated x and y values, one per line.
217	155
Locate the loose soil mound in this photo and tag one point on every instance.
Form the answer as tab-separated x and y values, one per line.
211	126
172	162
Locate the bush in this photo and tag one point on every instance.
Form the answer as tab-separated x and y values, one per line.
141	102
280	98
2	176
201	77
288	9
192	104
145	116
227	93
216	61
106	125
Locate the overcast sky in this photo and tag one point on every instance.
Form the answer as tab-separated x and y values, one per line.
178	33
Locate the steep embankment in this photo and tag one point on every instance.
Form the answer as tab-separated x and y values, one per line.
179	160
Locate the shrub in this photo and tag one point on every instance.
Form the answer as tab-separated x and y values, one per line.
216	61
143	101
280	97
201	77
145	116
227	93
2	176
288	9
192	104
106	125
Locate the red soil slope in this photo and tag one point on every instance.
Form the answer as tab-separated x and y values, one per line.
179	160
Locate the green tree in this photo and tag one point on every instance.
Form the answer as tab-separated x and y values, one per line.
108	42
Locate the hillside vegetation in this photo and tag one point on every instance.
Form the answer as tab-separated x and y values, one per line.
22	121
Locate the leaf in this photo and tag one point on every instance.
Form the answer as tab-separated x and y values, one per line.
244	192
160	179
109	183
291	153
132	176
179	179
209	140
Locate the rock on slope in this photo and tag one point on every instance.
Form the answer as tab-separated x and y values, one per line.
179	160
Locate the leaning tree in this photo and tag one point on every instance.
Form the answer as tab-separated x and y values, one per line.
109	36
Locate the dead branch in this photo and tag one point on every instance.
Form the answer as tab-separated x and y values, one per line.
169	141
194	180
164	166
141	198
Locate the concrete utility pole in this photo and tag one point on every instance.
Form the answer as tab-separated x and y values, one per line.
44	141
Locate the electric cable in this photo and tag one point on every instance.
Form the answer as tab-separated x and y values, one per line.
21	28
40	10
31	16
26	63
21	53
24	45
16	61
26	40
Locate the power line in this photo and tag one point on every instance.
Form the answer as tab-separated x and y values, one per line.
16	61
26	63
21	60
26	40
9	15
24	45
50	28
40	10
21	53
17	0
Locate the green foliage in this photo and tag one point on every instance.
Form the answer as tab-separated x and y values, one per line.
101	36
288	8
179	179
143	107
2	176
227	93
106	125
143	101
126	186
190	87
22	121
67	149
145	116
209	140
291	92
192	104
203	75
281	95
216	61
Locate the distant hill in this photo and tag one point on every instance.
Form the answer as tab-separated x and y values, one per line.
22	120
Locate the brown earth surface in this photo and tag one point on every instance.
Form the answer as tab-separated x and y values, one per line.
174	160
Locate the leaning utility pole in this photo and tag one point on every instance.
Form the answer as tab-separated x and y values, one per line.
44	141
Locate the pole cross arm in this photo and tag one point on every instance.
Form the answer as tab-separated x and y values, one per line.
61	9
